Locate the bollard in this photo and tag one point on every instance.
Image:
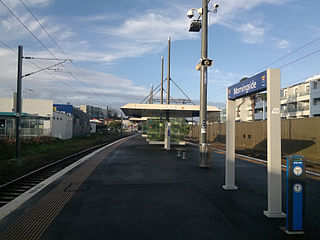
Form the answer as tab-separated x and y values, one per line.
205	157
296	173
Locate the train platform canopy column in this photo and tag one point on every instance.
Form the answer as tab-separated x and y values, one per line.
267	80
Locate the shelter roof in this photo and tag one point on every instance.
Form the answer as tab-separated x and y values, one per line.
160	110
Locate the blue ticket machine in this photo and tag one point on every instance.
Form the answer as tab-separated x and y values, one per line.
296	173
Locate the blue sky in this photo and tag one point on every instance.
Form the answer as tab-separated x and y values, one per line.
118	46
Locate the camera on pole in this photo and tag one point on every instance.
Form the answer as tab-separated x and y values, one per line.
206	62
195	26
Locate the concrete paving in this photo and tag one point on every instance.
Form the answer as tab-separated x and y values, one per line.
142	191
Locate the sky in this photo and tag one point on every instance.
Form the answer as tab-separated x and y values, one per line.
116	47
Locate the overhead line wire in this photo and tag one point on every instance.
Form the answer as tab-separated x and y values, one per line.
46	71
294	61
48	50
41	42
290	53
55	42
9	47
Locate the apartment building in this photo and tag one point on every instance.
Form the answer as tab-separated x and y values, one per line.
301	100
297	101
92	111
244	109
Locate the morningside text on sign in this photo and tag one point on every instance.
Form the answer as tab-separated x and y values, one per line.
251	85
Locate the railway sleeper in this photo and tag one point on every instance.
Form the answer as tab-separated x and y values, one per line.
15	194
7	198
2	203
17	190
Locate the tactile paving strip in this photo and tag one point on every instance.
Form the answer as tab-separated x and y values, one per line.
35	221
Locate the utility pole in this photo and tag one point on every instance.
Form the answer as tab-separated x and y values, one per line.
161	100
151	95
168	124
107	120
19	101
203	74
168	72
121	123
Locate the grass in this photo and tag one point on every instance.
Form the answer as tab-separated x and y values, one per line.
40	151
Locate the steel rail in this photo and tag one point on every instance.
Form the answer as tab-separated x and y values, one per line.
255	159
52	164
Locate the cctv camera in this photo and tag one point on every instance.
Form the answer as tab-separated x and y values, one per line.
190	14
215	5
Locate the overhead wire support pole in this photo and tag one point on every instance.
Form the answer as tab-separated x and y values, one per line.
149	93
162	60
168	124
168	72
19	102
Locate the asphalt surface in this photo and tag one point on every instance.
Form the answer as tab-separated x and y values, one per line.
142	191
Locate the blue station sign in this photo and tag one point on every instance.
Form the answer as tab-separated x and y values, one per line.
257	83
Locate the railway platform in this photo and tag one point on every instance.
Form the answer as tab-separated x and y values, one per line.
132	190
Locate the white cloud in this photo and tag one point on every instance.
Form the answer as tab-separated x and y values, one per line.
223	79
283	43
16	4
146	33
112	90
251	33
233	9
153	28
230	15
134	36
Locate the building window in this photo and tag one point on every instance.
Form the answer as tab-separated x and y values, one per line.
249	136
54	118
244	136
307	88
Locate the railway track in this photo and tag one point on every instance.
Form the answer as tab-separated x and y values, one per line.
312	168
11	190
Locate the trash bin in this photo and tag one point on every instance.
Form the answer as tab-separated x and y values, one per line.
205	157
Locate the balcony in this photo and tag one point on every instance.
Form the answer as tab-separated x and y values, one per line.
292	109
303	108
259	104
304	93
292	98
259	116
